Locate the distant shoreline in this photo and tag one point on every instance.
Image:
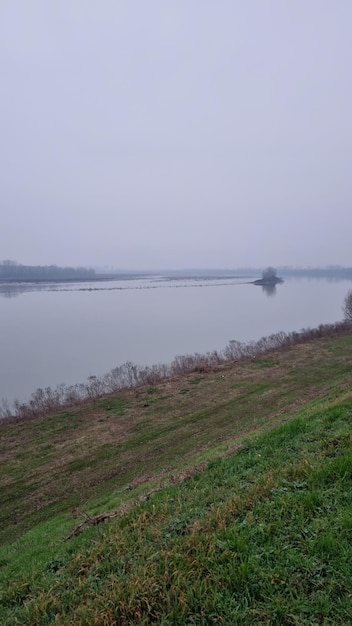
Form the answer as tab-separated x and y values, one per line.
329	273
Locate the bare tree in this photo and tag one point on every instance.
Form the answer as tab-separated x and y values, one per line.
347	306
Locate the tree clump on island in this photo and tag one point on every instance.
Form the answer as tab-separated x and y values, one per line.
269	277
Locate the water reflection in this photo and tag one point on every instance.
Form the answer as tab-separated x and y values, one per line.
9	292
12	291
269	290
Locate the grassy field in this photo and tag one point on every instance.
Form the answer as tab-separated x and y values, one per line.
231	490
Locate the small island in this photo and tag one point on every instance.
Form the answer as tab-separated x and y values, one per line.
269	277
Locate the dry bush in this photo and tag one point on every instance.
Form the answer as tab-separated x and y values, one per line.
129	375
347	306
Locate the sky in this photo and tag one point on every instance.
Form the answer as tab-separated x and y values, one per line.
176	134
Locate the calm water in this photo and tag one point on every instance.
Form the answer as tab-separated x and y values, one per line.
69	332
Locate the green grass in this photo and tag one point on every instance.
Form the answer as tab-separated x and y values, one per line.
263	362
116	405
260	537
237	500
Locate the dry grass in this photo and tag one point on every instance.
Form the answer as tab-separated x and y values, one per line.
58	462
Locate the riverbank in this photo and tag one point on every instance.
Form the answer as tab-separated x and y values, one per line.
108	455
132	376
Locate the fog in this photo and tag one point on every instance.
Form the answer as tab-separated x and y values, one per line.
176	134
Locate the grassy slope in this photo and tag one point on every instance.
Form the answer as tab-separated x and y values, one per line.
259	537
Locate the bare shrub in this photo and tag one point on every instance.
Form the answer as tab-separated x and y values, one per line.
182	364
73	395
129	375
232	351
113	380
152	374
347	306
95	387
5	410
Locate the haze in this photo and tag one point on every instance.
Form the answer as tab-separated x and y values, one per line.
167	134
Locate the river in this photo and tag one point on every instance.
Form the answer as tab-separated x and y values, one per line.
64	333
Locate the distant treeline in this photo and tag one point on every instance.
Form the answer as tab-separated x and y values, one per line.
12	271
331	271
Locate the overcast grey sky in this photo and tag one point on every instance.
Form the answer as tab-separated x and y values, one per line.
176	133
